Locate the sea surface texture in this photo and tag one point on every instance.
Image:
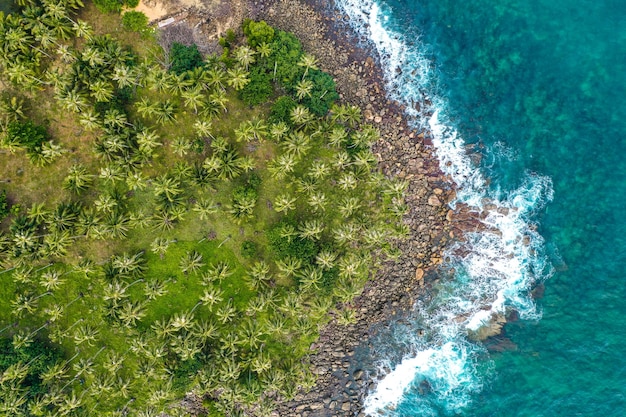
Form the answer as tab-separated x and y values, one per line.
526	100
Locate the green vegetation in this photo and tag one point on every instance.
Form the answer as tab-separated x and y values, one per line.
135	21
4	205
175	229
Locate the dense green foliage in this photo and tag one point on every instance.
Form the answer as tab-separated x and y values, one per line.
108	6
259	89
177	239
135	21
184	58
4	205
257	33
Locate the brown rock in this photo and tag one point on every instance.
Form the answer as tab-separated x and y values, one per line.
419	274
433	201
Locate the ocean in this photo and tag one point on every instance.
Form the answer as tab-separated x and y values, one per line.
526	100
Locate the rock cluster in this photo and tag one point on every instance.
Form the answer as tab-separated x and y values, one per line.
403	153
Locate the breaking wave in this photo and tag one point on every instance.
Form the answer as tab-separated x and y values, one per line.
494	267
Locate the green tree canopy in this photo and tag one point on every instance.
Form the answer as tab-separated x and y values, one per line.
184	58
258	32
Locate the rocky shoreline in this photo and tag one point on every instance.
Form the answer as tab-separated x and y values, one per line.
403	153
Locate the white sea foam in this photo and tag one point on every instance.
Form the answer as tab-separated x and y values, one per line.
498	265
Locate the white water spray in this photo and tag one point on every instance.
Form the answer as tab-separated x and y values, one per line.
500	263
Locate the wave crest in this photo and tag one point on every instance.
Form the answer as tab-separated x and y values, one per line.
495	267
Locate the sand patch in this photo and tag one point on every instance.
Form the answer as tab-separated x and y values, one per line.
155	10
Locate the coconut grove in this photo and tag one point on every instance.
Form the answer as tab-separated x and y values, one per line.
171	222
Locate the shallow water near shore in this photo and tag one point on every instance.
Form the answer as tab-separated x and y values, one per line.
538	87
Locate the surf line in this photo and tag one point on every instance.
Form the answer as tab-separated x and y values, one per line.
495	267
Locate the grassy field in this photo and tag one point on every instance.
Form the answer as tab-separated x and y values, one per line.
174	247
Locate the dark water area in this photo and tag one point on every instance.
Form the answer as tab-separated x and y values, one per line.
539	86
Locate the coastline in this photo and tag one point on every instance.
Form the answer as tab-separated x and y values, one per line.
402	152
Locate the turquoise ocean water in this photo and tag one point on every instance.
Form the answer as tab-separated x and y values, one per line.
539	88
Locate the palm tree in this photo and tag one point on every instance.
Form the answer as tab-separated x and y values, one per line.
347	181
264	49
111	174
348	206
226	312
77	179
244	133
85	333
38	213
124	75
167	187
193	98
310	278
216	77
317	201
115	118
114	291
308	62
205	207
135	180
319	170
101	90
212	296
284	203
282	165
258	128
311	229
341	160
237	78
203	128
288	266
159	246
26	303
128	265
326	259
130	313
51	280
278	130
250	334
244	55
154	288
148	141
217	272
258	275
182	321
165	112
300	115
338	137
205	330
346	233
304	88
146	108
191	262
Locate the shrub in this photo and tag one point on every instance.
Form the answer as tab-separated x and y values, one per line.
297	247
259	89
281	110
108	6
286	52
258	32
249	249
184	58
135	21
4	205
323	94
39	356
27	135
